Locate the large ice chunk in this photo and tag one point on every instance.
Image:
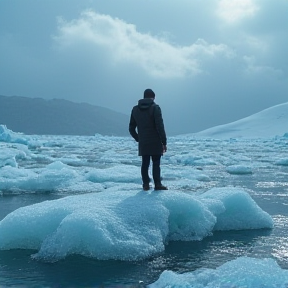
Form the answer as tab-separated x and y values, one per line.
125	225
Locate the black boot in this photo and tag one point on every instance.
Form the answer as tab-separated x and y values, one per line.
146	187
160	187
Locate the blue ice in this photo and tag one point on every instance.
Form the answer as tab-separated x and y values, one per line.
126	225
239	273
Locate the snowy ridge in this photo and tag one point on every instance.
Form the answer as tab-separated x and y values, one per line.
270	122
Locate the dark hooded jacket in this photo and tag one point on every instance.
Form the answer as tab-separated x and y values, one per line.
150	134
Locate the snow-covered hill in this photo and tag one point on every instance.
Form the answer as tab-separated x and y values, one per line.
270	122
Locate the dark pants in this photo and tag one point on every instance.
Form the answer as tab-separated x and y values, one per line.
155	169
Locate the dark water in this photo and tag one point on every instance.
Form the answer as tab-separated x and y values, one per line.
268	186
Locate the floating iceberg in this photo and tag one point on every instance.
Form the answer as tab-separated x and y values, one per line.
239	169
241	272
7	135
126	225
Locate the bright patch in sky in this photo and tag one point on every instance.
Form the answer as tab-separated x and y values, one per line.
234	10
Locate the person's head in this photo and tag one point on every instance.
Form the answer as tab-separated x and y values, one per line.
148	93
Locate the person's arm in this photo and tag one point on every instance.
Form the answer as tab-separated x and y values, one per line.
132	128
160	126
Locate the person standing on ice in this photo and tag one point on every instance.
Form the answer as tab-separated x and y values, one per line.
151	137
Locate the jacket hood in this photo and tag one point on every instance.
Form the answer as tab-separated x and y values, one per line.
145	103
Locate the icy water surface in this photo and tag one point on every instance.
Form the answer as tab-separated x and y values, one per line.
190	165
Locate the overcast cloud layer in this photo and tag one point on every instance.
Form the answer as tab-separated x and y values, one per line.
209	62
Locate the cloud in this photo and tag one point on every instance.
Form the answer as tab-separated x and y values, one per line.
125	44
235	10
253	69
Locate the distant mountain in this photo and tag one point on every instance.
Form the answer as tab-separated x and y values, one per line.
60	117
267	123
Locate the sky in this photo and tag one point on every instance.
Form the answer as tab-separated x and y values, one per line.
208	62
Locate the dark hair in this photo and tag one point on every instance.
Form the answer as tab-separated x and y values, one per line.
148	93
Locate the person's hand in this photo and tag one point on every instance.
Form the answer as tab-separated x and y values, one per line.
164	148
